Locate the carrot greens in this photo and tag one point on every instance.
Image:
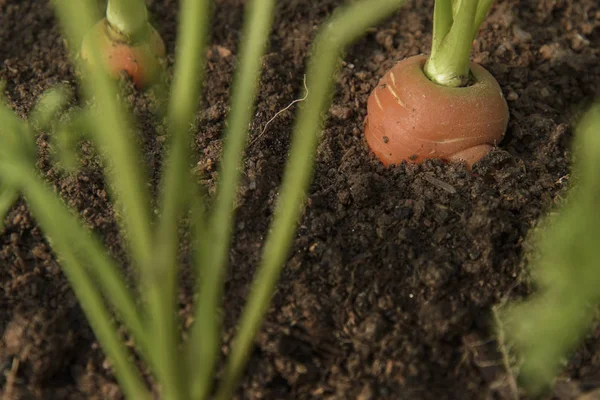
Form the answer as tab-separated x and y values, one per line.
548	326
127	17
455	25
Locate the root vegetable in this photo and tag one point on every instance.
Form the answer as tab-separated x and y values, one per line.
412	118
441	106
141	58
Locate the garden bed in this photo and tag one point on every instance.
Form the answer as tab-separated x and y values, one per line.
390	287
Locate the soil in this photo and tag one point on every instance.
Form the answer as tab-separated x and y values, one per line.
390	288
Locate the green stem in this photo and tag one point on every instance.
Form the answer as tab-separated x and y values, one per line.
175	192
205	335
99	265
482	10
47	210
113	131
127	17
551	323
449	63
455	6
343	28
442	22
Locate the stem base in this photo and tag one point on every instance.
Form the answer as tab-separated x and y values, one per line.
142	60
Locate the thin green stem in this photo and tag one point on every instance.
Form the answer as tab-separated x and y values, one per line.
48	211
455	6
449	63
175	193
343	28
99	317
205	336
550	324
127	17
588	147
442	22
99	265
113	131
103	270
483	7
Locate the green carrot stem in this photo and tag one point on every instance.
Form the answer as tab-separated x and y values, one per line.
343	28
127	17
442	22
97	263
175	191
206	331
449	63
482	9
549	325
48	211
113	132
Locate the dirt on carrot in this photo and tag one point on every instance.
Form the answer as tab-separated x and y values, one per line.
389	288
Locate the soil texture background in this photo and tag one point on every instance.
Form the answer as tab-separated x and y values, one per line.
390	286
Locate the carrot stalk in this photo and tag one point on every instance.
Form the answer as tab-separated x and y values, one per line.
482	9
455	24
176	196
442	22
127	17
343	28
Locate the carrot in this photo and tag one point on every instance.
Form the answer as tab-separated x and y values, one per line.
441	106
127	43
412	118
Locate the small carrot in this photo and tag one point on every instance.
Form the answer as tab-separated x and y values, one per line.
441	106
127	42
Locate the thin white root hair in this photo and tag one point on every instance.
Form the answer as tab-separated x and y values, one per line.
281	111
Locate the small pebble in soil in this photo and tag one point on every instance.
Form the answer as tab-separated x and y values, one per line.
341	112
512	96
521	34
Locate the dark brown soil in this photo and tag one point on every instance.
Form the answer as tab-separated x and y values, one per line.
389	290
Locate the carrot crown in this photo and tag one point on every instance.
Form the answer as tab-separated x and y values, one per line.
127	17
455	24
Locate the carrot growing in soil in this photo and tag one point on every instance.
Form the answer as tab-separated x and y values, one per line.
128	43
441	106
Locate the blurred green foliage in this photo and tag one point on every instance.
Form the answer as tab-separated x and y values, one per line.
547	327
